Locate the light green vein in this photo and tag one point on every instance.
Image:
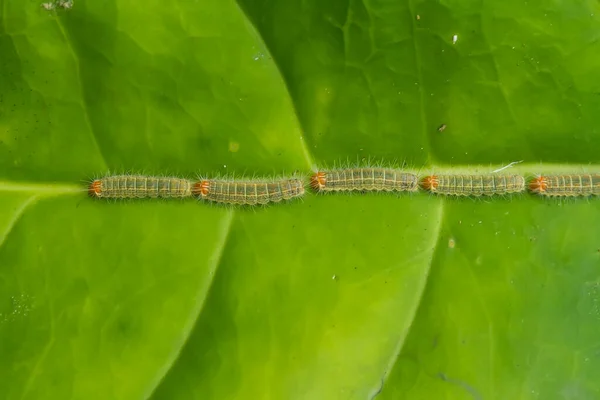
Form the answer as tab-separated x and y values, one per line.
420	292
215	257
40	188
84	105
420	79
306	152
16	217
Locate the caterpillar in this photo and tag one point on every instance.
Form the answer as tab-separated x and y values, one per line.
376	179
250	192
139	186
474	185
566	185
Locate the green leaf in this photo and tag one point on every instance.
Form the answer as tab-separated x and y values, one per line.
336	296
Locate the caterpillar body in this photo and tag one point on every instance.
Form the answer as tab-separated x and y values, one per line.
372	179
566	185
251	192
474	185
139	186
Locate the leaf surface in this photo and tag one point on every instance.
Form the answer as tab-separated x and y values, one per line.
335	296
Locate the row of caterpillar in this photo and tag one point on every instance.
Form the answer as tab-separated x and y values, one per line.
254	192
382	179
241	192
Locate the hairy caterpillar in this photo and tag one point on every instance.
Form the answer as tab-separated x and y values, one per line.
140	186
248	192
376	179
474	185
566	185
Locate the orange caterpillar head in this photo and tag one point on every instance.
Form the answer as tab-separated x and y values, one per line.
430	182
538	185
95	189
201	188
318	180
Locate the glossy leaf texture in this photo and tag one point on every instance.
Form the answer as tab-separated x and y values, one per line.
361	296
